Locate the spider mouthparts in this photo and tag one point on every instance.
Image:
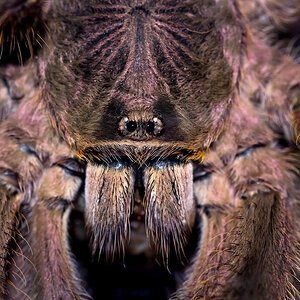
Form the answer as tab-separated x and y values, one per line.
159	194
109	191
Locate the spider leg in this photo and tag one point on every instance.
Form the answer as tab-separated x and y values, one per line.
250	201
248	242
29	147
18	171
41	266
56	273
276	22
8	208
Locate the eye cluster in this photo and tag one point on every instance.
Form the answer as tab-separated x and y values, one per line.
140	128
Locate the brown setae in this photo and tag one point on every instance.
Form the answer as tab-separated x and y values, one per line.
149	149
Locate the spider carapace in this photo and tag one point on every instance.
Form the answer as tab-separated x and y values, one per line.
156	136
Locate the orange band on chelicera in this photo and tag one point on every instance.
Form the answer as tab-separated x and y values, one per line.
81	156
197	156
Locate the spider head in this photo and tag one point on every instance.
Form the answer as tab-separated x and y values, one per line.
160	71
135	85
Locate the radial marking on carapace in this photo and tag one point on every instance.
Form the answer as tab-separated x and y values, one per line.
146	29
174	41
105	38
140	73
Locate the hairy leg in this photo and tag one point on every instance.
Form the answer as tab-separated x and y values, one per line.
56	273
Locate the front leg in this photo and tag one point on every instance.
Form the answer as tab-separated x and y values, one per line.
18	172
9	204
248	243
56	274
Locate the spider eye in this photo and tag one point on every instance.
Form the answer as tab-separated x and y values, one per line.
150	127
131	126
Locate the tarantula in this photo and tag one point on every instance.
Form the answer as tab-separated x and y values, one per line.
157	129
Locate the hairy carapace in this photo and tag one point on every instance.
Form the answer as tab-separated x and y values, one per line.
167	130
